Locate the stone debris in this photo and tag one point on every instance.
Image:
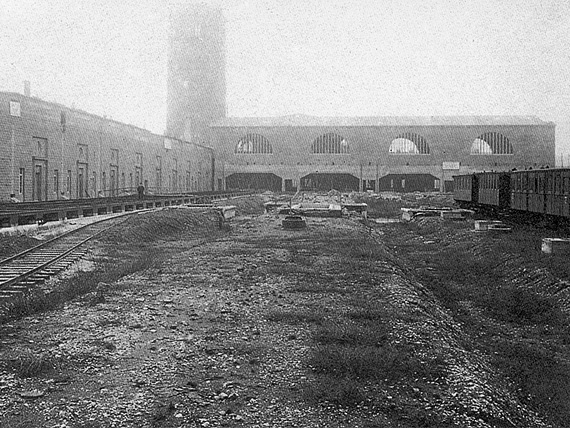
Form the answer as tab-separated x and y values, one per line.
190	343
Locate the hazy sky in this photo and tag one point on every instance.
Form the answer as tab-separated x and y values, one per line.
320	57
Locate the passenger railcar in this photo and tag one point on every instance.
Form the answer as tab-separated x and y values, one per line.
544	192
494	189
466	189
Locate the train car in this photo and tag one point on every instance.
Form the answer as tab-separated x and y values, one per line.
494	189
466	189
543	191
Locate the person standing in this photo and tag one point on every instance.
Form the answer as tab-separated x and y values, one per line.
140	191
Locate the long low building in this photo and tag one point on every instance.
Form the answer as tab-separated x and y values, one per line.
49	151
374	153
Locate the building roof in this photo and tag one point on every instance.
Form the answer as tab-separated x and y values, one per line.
51	105
317	121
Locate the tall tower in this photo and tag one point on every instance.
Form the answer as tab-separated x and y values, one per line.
196	94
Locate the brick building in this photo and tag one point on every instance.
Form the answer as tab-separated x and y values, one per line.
49	151
356	153
376	153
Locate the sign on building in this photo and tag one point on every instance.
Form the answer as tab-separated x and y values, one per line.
450	165
15	108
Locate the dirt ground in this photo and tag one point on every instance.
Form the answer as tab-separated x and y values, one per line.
257	326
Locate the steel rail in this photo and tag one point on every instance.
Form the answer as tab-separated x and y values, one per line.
64	234
42	266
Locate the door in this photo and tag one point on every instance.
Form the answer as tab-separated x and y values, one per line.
114	180
82	180
38	183
40	180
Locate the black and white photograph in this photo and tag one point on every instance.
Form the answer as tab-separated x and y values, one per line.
279	214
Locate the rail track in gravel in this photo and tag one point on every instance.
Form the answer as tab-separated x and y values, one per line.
25	271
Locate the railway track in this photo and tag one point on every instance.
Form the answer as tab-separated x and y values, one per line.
31	268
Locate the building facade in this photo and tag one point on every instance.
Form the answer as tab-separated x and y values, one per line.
345	153
49	151
375	153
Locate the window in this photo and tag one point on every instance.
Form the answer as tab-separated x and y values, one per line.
330	144
41	147
68	182
56	181
409	144
491	143
21	181
254	144
114	156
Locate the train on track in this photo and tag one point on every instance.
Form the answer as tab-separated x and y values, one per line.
536	192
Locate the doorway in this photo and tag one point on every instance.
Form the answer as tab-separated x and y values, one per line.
82	189
40	181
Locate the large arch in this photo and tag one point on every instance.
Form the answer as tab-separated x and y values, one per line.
330	143
254	144
409	143
491	143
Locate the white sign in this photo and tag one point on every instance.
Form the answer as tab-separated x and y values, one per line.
167	143
15	108
451	165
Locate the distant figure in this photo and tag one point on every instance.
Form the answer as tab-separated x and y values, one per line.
64	196
140	191
13	198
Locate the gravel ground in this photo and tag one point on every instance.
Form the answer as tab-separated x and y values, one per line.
191	342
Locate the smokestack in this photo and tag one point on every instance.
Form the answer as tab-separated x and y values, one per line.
27	91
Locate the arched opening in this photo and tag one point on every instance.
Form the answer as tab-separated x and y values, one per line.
409	144
254	144
491	143
252	180
329	181
330	144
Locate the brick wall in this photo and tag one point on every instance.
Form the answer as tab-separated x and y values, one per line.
369	157
94	148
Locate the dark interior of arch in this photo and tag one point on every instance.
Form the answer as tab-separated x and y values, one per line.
329	181
254	180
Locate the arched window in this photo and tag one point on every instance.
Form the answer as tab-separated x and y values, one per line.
409	144
330	144
491	143
254	144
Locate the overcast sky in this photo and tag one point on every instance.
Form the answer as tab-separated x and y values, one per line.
319	57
